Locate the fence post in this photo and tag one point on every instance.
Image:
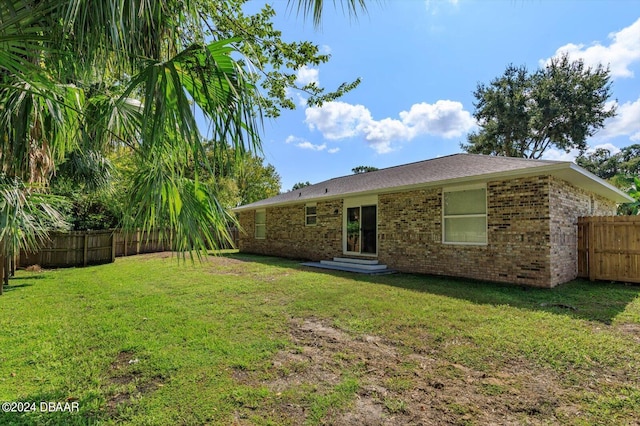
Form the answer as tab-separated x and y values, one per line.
113	246
86	248
138	238
591	249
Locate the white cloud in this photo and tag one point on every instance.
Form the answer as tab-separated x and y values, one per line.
305	144
559	155
340	120
554	154
625	123
300	100
309	145
380	134
306	75
291	139
623	50
433	6
611	147
447	119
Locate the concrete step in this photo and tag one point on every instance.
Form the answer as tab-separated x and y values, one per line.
347	267
363	266
356	261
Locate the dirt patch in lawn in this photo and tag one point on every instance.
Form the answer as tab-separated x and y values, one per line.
230	266
631	329
128	383
156	255
398	388
227	265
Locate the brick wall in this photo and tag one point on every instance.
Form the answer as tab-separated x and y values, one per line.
567	204
287	235
517	250
532	232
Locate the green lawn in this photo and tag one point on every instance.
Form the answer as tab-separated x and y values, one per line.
258	340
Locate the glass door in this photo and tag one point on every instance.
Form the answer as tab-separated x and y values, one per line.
368	230
353	229
361	230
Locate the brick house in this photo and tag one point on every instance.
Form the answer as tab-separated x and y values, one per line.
483	217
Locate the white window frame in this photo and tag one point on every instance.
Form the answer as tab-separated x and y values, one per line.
313	215
260	225
462	216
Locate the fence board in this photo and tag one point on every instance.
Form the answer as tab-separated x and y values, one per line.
583	253
609	248
132	243
81	248
75	248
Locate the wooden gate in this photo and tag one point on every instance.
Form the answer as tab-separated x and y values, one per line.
609	248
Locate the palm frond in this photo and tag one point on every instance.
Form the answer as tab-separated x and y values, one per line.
130	31
189	215
88	169
111	122
315	8
26	216
40	123
137	81
23	28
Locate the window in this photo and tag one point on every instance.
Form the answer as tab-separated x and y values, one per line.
310	215
465	216
261	224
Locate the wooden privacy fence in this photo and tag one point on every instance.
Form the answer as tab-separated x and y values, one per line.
609	248
81	248
138	243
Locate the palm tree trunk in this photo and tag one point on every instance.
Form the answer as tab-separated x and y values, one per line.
7	269
2	274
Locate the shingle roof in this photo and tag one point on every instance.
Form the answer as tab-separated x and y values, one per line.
448	169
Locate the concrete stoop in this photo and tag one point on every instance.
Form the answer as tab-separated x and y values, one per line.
361	266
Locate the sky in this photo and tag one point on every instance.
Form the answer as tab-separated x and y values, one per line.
421	60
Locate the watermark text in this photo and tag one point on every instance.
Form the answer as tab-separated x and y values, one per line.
41	407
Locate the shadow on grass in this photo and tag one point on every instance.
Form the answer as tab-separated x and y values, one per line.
16	283
593	301
13	287
27	277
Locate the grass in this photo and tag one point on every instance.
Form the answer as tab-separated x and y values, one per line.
149	341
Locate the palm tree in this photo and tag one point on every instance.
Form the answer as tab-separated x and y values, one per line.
25	218
80	75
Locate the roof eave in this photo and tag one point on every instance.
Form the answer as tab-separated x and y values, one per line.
588	180
568	171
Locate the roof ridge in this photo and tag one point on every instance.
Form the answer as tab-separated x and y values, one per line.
540	160
395	166
466	154
452	168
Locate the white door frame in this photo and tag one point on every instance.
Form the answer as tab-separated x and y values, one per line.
363	201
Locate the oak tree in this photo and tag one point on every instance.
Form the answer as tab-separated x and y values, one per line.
523	114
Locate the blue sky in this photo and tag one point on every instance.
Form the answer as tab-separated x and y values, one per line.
421	60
